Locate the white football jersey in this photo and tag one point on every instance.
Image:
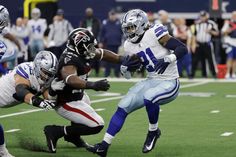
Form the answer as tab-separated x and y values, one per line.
36	28
149	49
7	83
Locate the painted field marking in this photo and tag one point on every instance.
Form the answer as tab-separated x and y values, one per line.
226	134
12	130
100	109
230	96
215	111
108	94
97	101
197	94
37	110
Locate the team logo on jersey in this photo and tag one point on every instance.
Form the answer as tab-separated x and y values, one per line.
81	37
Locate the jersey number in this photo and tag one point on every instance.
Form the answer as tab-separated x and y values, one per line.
36	29
148	58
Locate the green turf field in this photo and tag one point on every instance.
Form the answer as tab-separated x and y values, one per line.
189	129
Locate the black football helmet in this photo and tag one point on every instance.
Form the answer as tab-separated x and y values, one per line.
83	42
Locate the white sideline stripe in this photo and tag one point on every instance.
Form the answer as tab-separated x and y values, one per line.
96	101
37	110
227	134
12	130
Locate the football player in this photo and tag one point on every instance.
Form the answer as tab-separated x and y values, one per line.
158	52
25	83
36	28
74	103
28	80
4	19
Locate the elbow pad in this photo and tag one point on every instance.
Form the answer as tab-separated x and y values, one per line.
179	48
21	91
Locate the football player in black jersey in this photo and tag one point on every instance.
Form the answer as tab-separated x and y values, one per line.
73	103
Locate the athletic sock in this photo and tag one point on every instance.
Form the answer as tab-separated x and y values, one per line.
1	135
153	127
80	129
117	121
108	138
153	114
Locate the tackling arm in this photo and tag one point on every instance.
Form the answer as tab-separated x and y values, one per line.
23	94
109	56
69	75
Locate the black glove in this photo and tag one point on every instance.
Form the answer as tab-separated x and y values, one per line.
42	103
132	63
161	66
101	85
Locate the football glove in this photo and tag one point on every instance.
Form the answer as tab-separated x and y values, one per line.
124	72
42	103
101	85
47	105
132	63
161	65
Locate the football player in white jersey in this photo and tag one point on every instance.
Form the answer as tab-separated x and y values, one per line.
158	52
26	81
4	19
36	27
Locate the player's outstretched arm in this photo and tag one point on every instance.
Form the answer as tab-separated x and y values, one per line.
69	75
109	56
23	94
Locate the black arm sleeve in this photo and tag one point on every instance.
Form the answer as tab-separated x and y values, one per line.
21	91
177	46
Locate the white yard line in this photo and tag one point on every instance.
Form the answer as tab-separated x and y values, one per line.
225	134
194	84
37	110
181	80
97	101
12	130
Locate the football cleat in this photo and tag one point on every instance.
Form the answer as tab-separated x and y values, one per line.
78	142
4	153
99	149
151	139
52	133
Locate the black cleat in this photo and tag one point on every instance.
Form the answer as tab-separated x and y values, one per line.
78	142
52	133
99	149
151	139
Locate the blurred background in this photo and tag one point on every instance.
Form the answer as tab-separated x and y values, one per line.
207	27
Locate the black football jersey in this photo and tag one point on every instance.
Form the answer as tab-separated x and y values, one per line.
83	67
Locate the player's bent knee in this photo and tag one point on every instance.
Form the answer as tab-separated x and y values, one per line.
126	103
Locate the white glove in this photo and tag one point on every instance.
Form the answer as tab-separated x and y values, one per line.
47	105
57	85
124	72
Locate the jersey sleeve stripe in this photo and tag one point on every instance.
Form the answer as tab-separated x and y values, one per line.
163	31
22	73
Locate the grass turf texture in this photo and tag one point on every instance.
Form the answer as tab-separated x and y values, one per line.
188	127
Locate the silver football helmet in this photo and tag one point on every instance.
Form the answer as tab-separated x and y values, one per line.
45	66
36	13
134	24
4	17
